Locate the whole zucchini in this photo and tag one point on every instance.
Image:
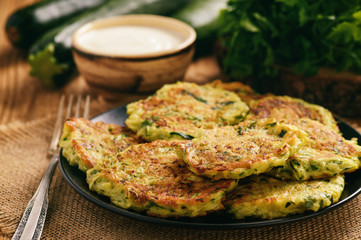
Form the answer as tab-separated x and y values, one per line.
51	57
24	26
203	15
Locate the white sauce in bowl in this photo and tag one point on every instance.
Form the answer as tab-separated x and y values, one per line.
129	40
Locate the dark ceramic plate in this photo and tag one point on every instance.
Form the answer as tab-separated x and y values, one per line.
76	179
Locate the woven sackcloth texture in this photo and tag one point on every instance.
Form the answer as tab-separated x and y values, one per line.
70	216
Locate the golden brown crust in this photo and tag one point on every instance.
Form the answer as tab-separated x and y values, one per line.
284	107
251	147
264	197
326	154
245	92
154	178
89	142
180	109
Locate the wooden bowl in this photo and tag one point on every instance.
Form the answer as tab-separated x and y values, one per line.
109	72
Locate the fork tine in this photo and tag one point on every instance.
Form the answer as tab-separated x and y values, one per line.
70	106
78	106
57	129
86	107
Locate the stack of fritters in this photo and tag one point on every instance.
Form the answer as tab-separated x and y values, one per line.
189	150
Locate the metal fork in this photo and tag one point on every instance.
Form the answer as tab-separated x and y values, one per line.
33	219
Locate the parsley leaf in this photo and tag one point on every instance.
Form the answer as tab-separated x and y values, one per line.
303	35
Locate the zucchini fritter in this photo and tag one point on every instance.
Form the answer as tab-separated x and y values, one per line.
285	107
251	147
268	198
326	154
176	111
152	177
245	92
84	143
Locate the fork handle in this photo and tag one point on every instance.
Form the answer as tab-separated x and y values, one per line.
33	219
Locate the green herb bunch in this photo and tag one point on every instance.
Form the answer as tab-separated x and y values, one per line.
303	35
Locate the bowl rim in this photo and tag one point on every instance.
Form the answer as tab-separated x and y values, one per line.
136	19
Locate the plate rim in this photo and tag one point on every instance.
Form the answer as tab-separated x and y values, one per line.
175	222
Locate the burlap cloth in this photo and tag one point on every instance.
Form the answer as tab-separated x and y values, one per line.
23	160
